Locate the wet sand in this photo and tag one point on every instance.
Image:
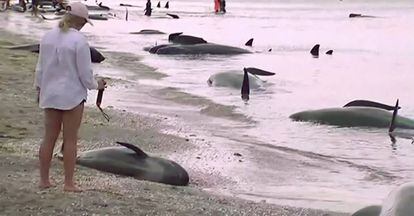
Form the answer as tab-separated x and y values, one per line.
21	127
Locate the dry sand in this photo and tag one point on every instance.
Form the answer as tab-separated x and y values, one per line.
21	126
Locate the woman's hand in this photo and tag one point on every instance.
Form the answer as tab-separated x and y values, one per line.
101	84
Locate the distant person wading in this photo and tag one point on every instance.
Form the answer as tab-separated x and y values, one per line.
220	6
148	9
63	76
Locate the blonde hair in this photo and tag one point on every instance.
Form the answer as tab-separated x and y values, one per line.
69	21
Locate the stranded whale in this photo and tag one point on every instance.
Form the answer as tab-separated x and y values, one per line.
399	202
129	160
353	116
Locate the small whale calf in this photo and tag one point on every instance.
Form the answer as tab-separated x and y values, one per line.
129	160
244	81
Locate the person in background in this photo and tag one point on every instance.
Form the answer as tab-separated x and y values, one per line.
223	6
35	3
216	6
148	9
22	3
63	76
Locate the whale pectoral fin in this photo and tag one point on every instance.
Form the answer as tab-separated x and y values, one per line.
394	116
139	152
245	89
259	72
173	16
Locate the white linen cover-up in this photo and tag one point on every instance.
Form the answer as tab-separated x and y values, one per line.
64	69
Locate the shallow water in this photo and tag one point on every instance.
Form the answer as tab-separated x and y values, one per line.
285	162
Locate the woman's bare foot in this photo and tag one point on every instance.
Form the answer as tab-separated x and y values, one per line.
72	188
45	185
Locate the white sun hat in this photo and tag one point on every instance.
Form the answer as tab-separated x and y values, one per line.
79	9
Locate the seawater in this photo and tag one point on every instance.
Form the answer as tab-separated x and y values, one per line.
300	164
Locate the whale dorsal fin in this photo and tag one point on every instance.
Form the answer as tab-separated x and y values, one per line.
367	103
139	152
315	50
249	42
259	72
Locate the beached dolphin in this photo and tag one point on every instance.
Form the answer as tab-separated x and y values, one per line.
234	79
237	80
179	38
148	31
129	160
353	116
354	15
399	202
194	49
96	56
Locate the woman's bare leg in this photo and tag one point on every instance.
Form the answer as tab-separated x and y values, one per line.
71	123
53	123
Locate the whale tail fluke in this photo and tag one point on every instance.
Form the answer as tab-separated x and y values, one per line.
172	36
258	72
315	51
245	90
249	42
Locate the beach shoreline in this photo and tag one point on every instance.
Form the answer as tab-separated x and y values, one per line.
21	132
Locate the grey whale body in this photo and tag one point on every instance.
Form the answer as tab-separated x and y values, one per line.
353	117
129	160
194	49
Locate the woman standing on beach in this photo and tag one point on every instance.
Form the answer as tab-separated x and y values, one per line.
63	76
